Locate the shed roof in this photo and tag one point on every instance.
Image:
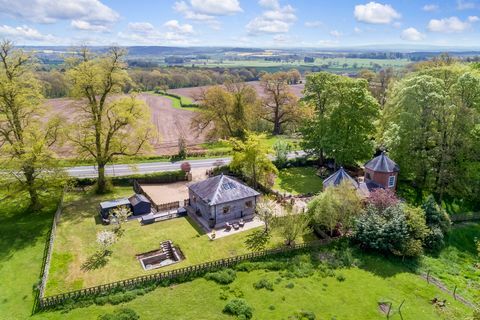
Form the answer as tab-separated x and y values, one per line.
338	177
138	198
114	203
382	163
222	189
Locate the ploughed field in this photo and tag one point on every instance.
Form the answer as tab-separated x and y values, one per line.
195	92
170	123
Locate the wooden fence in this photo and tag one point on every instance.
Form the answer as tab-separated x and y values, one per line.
48	252
157	278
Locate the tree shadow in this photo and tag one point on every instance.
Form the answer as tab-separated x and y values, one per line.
96	261
195	226
257	240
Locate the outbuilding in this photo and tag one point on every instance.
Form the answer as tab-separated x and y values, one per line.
140	204
107	206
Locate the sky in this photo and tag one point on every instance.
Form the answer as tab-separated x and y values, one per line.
241	23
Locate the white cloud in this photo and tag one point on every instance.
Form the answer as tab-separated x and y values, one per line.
335	33
50	11
87	26
412	34
270	4
207	11
357	30
274	20
24	33
313	24
376	13
216	7
144	32
174	25
451	25
465	5
430	7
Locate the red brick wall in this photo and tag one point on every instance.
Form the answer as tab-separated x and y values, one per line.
381	177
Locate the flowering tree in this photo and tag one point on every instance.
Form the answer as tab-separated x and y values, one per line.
106	239
119	215
266	212
382	199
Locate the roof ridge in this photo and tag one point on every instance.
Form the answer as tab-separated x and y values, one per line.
219	184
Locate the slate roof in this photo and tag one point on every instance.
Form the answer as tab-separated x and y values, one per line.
222	189
382	163
114	203
138	198
338	177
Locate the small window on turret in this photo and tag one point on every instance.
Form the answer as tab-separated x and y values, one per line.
391	181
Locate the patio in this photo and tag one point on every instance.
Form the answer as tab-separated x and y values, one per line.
224	231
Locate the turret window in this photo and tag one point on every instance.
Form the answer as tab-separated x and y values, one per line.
391	181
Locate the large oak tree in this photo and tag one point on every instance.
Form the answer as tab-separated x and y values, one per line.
25	140
108	124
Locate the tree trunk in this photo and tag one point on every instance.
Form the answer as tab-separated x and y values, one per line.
29	173
277	128
101	181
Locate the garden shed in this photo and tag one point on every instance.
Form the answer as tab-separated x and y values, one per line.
107	206
140	204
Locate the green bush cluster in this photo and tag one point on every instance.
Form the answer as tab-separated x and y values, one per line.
158	177
224	276
263	284
303	315
120	314
240	308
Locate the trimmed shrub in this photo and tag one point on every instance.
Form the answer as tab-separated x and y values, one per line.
263	284
290	285
224	276
120	314
303	315
341	278
240	308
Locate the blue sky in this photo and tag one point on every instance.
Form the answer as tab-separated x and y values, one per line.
244	23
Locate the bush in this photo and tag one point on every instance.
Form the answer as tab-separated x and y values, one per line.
263	284
157	177
303	315
341	278
121	297
290	285
224	276
240	308
120	314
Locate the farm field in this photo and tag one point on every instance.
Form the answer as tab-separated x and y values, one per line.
329	64
298	180
194	92
171	123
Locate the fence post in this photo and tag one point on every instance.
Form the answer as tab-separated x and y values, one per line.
428	276
455	292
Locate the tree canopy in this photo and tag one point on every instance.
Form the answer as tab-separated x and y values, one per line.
342	127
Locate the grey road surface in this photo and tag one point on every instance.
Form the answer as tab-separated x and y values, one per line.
151	167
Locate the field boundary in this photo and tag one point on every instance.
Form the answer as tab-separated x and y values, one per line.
47	256
172	275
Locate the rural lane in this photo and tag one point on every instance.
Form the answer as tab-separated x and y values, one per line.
151	167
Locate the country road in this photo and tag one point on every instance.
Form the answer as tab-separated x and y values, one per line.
151	167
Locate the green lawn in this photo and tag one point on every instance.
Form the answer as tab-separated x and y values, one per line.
76	242
300	285
455	264
22	241
298	180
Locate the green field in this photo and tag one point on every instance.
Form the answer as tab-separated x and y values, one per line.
298	180
330	64
177	103
455	264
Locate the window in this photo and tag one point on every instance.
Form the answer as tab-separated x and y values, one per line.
194	199
368	176
226	209
391	181
249	204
